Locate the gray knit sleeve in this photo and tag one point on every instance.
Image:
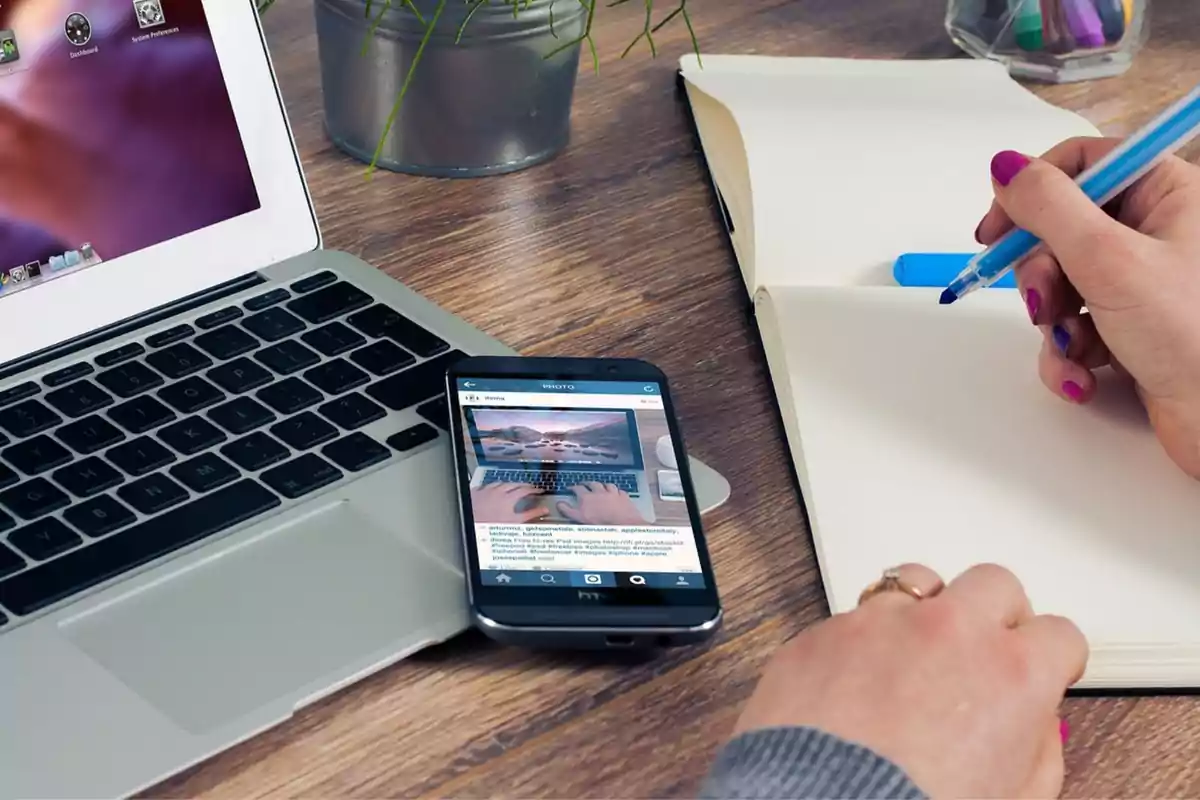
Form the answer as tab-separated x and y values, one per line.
803	764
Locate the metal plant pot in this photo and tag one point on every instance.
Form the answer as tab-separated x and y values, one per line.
487	103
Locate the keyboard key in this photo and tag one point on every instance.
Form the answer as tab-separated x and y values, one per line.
273	297
153	493
273	324
289	395
413	437
141	414
89	434
190	436
205	472
4	439
352	411
382	358
210	321
437	412
183	525
99	516
191	394
336	376
129	379
255	451
7	476
123	353
301	475
225	343
169	336
68	374
87	477
139	456
304	431
313	282
334	339
241	415
33	499
356	451
287	357
28	418
239	375
381	322
6	521
44	539
36	455
79	398
330	302
178	360
19	392
10	562
413	385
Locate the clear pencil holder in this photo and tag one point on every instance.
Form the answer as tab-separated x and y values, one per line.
1055	41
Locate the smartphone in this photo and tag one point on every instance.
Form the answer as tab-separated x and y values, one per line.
567	545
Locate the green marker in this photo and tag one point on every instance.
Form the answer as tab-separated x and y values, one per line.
1027	25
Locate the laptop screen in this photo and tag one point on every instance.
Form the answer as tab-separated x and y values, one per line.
555	438
116	134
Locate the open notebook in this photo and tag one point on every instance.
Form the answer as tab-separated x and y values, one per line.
921	432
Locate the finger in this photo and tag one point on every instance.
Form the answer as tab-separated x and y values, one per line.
1072	156
594	486
1049	770
992	593
1071	381
535	513
519	490
1042	199
569	511
1077	340
1046	291
920	577
1059	650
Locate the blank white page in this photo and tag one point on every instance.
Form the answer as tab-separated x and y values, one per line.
855	162
926	436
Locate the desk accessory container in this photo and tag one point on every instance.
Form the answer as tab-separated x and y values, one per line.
1054	41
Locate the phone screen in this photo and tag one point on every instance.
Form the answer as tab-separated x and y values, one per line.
565	486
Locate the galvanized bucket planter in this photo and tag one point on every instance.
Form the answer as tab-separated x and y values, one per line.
483	103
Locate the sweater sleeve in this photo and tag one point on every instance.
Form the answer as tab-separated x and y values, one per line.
803	764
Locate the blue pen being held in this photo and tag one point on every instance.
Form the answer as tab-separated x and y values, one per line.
1102	182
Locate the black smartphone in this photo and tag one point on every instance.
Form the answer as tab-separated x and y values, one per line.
569	540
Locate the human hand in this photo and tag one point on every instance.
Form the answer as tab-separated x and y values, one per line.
961	689
497	503
601	504
1135	267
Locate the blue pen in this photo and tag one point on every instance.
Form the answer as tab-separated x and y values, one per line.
1107	178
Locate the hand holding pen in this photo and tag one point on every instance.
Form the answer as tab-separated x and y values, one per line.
1115	287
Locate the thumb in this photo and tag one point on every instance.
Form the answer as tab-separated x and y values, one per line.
569	511
1044	200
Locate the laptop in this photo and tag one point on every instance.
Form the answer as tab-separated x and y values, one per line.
225	484
559	449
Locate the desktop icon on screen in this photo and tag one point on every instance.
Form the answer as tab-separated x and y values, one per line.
86	251
33	269
17	274
9	52
73	258
5	278
149	13
57	263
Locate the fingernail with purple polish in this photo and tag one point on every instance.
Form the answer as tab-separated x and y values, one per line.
1062	339
1006	164
1064	730
1073	390
1033	302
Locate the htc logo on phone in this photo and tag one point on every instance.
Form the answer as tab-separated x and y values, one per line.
591	596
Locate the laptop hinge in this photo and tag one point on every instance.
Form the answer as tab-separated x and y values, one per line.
142	320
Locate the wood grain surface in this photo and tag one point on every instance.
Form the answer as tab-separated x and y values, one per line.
618	238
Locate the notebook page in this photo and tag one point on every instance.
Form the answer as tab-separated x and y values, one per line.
853	162
927	436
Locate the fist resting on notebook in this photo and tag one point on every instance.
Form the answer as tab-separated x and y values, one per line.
961	689
594	504
1134	266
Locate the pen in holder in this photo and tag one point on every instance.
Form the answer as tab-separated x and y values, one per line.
1055	41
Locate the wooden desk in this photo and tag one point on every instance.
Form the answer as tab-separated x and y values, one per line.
568	258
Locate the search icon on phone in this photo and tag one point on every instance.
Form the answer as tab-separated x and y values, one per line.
637	580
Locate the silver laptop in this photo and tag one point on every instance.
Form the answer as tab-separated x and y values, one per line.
225	486
558	449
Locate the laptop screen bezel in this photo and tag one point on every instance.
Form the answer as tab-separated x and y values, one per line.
284	226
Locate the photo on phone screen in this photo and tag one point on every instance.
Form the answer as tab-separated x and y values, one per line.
565	486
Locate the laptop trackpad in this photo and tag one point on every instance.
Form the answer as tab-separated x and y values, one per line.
272	617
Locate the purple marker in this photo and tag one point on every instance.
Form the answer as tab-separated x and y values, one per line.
1084	23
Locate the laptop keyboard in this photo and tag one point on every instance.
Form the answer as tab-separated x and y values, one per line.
112	462
551	482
